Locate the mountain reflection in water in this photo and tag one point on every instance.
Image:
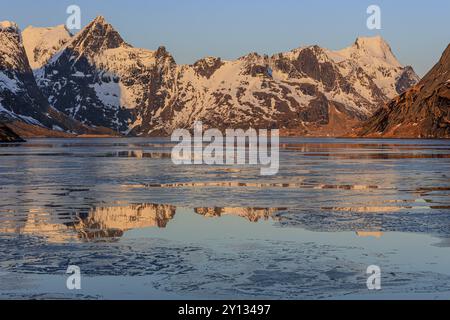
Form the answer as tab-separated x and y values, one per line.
121	208
112	222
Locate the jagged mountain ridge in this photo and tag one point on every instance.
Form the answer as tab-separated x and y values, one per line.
421	112
21	100
95	76
100	80
288	90
19	95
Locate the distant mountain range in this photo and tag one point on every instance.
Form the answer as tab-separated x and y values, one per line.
94	82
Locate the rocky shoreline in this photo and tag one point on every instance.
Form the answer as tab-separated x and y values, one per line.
8	135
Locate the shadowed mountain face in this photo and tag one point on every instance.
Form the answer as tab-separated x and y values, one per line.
21	100
423	111
100	80
19	95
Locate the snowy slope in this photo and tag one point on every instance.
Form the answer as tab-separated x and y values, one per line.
375	57
288	90
20	98
42	43
99	79
19	95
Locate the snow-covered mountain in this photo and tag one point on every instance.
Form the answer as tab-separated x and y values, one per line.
42	43
20	98
300	90
99	79
86	78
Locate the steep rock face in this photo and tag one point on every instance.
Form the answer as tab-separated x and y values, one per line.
21	101
100	80
423	111
298	90
207	66
68	79
406	80
19	94
147	84
20	98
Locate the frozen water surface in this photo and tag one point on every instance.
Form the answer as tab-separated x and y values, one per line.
140	227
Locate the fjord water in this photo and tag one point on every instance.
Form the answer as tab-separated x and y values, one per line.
139	226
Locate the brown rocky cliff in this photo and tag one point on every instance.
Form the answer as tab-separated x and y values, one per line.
8	135
423	111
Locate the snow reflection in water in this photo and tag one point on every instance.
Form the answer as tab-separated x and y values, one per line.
120	208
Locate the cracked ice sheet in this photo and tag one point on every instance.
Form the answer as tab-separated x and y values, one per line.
183	264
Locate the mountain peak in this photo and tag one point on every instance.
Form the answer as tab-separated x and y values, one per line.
375	40
9	26
10	30
446	55
376	47
100	19
99	23
97	36
370	49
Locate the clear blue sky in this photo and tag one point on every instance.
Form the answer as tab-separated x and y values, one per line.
417	30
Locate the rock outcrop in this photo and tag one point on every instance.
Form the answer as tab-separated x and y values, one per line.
423	111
